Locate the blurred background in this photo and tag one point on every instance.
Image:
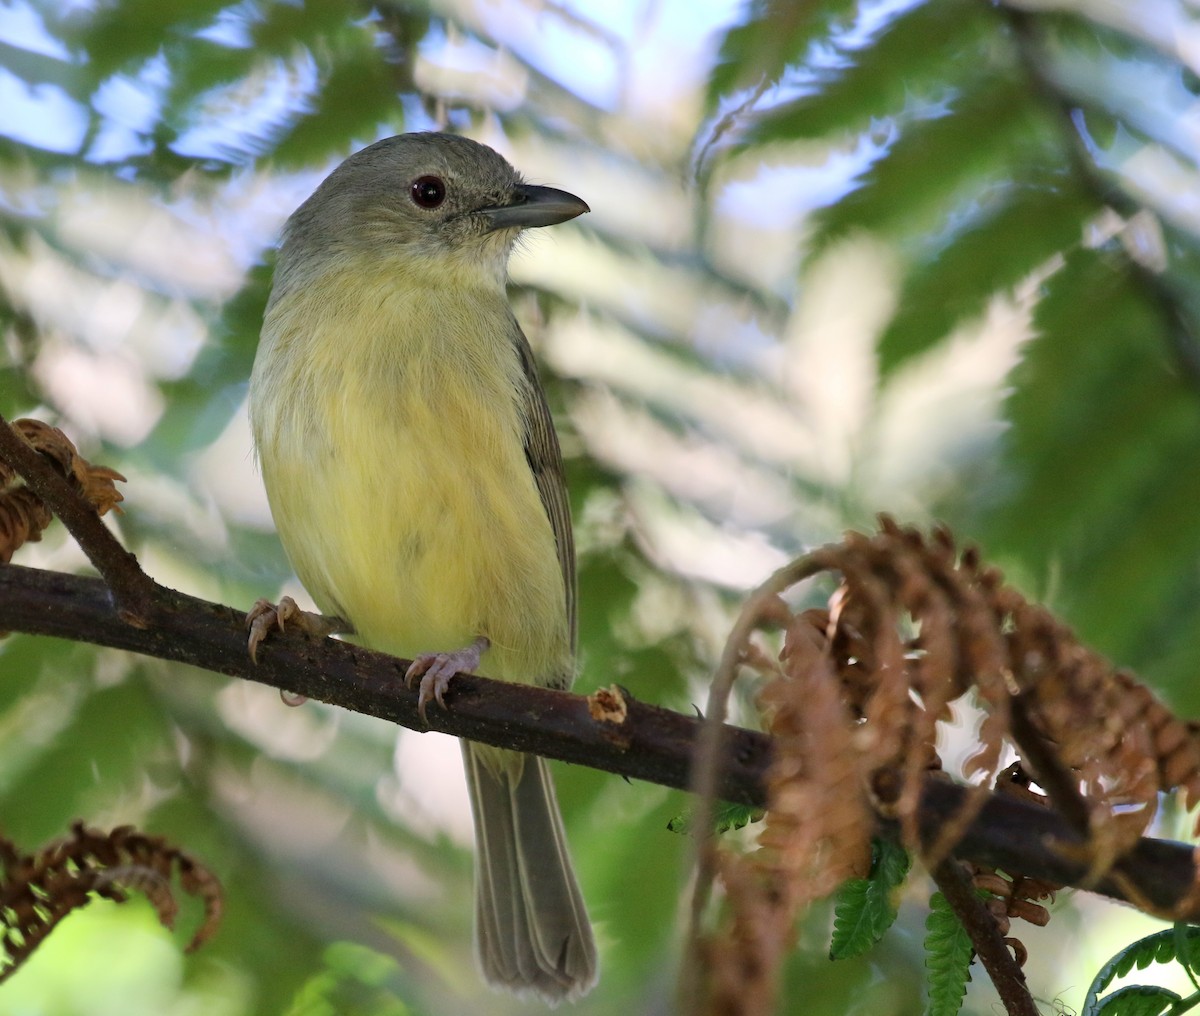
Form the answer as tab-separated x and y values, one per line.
938	259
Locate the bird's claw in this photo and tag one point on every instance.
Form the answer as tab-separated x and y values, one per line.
264	617
436	670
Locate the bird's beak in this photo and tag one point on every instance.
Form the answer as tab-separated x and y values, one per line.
535	206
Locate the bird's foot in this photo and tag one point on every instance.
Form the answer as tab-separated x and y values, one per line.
436	670
264	617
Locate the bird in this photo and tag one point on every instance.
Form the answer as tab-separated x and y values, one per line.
417	485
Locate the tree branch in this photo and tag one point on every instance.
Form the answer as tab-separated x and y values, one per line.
990	947
608	730
613	732
649	743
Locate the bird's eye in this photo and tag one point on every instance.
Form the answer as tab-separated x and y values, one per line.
429	191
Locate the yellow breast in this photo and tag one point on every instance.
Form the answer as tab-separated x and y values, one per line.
390	433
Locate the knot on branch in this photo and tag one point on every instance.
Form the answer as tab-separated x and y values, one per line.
23	515
38	890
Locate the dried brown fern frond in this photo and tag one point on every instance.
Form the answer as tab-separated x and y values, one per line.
817	832
23	517
38	890
914	626
1112	744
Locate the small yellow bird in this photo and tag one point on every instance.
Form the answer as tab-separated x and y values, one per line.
417	484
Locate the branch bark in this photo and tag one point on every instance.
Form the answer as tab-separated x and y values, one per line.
990	947
647	742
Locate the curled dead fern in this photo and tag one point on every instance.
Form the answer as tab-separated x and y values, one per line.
913	627
38	890
23	517
817	829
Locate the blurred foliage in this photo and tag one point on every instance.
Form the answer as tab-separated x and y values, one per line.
936	258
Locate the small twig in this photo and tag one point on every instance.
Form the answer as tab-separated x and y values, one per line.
132	589
990	947
726	123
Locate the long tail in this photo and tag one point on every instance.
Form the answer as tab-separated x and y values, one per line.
532	932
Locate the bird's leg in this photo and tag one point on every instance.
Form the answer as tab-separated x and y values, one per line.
436	669
266	616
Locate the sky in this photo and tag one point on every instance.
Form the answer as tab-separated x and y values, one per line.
579	54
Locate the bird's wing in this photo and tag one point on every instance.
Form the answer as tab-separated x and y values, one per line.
545	461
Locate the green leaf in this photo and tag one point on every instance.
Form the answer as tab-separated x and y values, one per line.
866	907
1161	947
990	129
16	394
726	817
280	27
1018	230
1121	529
351	983
1139	86
121	33
948	955
1185	950
203	64
1140	1000
350	959
428	949
356	93
79	767
774	34
912	57
35	68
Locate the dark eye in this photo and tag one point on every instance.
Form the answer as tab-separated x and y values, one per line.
429	191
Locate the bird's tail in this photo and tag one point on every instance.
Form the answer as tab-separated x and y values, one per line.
532	932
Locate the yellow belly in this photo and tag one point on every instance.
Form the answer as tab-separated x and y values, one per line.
399	485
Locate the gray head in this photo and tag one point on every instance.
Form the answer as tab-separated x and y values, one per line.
417	198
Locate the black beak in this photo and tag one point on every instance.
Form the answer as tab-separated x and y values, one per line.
535	206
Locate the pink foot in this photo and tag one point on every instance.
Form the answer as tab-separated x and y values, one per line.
436	669
264	617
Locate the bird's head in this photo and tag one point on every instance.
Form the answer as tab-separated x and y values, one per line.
423	202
